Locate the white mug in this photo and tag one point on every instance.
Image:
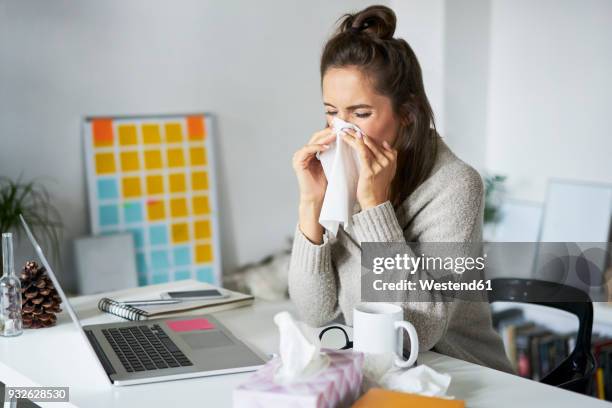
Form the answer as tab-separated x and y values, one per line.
377	329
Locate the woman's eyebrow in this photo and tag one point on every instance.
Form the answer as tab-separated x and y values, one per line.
352	107
361	105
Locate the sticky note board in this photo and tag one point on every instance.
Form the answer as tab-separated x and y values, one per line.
154	176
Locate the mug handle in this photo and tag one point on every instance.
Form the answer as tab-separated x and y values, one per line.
414	344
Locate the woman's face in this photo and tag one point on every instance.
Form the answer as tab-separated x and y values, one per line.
348	94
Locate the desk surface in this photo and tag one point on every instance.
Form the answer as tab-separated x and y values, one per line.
58	356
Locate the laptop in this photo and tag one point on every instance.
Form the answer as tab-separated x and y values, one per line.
138	352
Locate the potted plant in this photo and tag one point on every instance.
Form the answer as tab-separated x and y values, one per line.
32	200
494	190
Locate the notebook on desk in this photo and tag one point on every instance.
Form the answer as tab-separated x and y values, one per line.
130	312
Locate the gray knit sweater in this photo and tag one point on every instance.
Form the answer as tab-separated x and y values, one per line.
325	279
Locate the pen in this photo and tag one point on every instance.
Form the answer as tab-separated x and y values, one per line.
150	302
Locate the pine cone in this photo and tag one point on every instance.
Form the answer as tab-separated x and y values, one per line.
39	299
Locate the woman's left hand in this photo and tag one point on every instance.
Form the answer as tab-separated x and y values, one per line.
377	169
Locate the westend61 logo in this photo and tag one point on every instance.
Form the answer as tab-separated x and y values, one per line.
413	272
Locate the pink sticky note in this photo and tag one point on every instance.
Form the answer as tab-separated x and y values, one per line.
190	325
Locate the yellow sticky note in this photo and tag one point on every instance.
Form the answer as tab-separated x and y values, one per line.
155	185
197	156
180	232
174	132
176	158
200	205
153	159
178	207
156	210
199	180
203	253
127	135
177	183
129	161
150	134
105	163
202	229
131	187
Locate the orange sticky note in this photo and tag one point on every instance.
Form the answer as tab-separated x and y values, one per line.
102	132
195	127
379	398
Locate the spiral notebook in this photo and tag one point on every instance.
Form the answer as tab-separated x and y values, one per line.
129	312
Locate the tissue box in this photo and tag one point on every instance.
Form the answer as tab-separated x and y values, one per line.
338	385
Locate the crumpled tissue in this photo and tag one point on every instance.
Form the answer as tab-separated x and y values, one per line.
421	379
341	167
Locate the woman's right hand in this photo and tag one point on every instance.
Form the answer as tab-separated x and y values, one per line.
308	168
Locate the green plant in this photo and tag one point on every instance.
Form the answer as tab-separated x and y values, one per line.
33	201
494	187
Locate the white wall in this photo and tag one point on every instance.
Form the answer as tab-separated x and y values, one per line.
550	92
422	24
466	69
252	64
521	87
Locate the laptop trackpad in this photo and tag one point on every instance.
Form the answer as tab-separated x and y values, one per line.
206	340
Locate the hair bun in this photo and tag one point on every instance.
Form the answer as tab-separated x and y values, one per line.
378	21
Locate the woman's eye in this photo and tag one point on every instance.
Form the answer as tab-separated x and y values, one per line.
330	113
362	115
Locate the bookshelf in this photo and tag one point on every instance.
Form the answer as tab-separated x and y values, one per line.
558	320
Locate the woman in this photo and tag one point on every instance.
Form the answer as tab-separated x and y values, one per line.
411	188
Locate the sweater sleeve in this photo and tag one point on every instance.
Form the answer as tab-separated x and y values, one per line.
312	280
454	215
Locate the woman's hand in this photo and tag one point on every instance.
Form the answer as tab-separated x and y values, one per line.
313	184
377	169
308	168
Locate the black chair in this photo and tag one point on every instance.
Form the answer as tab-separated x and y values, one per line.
575	373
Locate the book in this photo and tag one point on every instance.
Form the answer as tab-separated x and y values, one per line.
379	398
142	312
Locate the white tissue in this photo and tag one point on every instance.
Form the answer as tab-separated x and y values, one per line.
421	380
341	166
299	351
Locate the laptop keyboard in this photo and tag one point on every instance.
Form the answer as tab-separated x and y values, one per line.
143	348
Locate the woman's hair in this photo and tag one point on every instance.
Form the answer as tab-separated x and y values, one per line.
365	40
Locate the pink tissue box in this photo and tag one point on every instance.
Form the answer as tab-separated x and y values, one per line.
338	385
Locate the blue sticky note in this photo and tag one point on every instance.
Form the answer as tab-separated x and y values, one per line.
159	278
108	214
138	237
159	260
107	189
132	212
158	235
141	263
142	280
182	275
182	256
205	275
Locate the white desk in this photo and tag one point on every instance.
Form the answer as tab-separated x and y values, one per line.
57	356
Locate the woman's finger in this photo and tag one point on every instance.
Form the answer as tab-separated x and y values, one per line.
363	151
390	152
325	139
381	158
304	155
322	134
